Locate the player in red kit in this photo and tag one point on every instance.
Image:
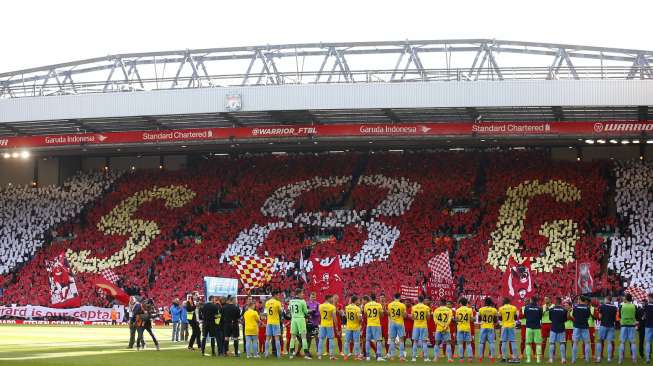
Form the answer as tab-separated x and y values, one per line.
384	322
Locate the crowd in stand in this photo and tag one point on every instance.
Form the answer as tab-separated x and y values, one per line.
28	214
631	252
384	215
521	207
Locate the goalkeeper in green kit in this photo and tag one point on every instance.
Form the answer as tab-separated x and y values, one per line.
298	313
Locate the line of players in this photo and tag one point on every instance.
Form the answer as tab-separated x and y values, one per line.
552	322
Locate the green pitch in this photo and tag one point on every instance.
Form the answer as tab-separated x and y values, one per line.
84	346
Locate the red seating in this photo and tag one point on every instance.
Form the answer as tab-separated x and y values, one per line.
511	169
193	237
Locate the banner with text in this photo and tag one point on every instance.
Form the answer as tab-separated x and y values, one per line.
220	286
84	313
427	129
438	291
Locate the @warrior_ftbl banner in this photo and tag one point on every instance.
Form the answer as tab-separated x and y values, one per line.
590	129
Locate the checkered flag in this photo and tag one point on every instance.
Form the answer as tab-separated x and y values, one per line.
254	271
110	275
440	268
639	294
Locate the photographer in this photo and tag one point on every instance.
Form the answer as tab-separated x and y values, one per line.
193	320
144	323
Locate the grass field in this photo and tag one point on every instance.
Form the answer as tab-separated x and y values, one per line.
71	346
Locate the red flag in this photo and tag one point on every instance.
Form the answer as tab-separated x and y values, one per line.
518	281
111	289
440	268
638	293
441	284
63	289
326	278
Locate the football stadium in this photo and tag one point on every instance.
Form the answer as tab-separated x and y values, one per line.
455	200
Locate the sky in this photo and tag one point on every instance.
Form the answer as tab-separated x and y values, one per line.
38	33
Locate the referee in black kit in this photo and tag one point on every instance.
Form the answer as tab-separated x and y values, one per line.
211	319
229	321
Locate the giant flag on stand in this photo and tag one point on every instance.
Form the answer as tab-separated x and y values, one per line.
63	289
518	281
585	277
326	278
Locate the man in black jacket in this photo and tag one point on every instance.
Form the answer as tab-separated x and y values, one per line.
648	327
211	319
641	328
194	322
230	318
135	309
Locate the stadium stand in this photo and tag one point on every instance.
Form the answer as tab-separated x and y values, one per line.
27	213
384	214
562	200
631	253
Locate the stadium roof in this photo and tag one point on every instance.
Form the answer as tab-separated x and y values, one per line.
481	68
368	62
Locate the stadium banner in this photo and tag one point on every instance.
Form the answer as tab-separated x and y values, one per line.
426	129
585	277
84	313
409	292
220	286
444	290
518	281
326	278
52	322
63	288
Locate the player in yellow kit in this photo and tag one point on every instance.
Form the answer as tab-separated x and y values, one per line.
464	321
508	316
327	316
273	329
396	330
443	316
373	311
252	321
354	318
420	314
487	315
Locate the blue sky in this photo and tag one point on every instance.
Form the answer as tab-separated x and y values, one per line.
36	33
